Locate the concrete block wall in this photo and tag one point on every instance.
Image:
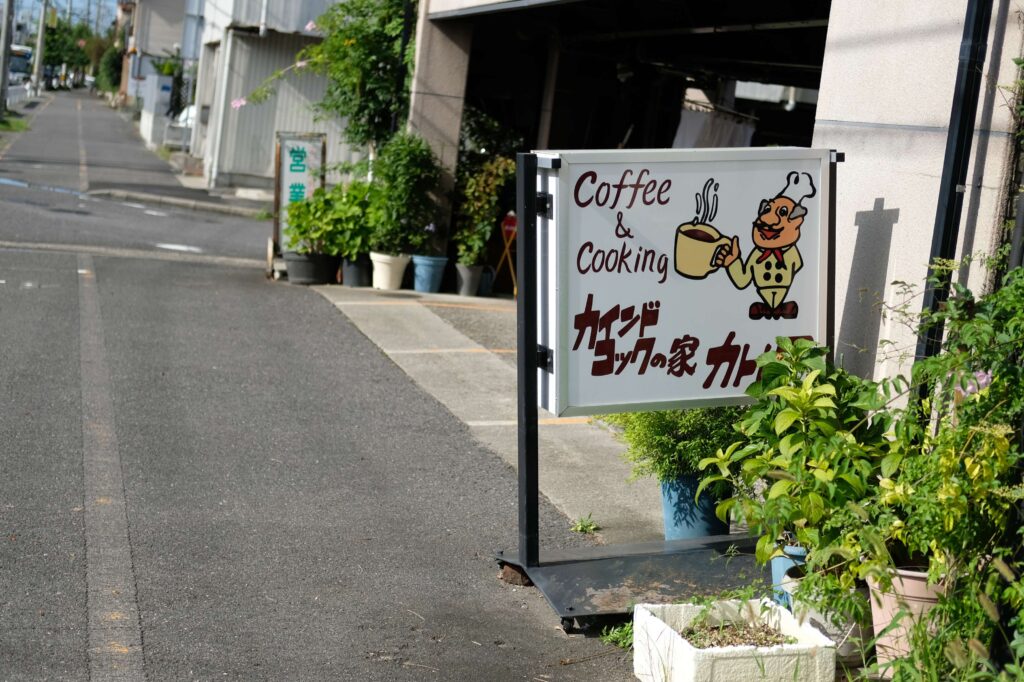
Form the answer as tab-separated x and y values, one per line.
885	101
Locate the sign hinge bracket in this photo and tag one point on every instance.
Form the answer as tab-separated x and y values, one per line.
545	359
543	204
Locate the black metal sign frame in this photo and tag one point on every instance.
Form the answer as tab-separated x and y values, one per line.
621	574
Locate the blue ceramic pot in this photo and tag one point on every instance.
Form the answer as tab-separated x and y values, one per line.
685	518
427	273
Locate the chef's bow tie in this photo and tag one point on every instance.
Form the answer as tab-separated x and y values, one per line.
770	252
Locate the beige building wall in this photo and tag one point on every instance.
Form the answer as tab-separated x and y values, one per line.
885	101
439	86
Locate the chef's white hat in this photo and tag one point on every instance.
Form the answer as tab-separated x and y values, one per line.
799	186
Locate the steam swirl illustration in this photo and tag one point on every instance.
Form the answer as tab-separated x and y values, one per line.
697	242
707	203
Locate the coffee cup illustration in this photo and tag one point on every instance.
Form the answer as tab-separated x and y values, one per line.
696	247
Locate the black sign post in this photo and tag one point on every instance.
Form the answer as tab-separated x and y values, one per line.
526	340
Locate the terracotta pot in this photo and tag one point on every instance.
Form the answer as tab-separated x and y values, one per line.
910	591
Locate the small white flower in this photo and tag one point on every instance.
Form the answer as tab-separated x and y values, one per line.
311	26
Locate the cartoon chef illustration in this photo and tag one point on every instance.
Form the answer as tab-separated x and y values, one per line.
775	258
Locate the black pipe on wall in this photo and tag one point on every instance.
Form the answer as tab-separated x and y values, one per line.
973	48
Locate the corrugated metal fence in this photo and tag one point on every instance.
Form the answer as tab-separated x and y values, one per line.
248	145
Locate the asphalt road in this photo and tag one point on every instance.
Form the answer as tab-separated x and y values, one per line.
206	475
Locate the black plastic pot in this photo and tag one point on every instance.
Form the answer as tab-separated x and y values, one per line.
311	268
358	272
468	278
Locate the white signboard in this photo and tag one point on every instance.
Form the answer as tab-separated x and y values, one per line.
299	172
664	274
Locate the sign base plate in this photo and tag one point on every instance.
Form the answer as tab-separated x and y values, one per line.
596	582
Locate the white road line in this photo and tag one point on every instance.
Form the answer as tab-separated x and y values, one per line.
83	168
110	252
115	631
427	351
182	248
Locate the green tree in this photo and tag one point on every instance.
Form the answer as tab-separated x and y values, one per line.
65	45
109	76
95	48
366	55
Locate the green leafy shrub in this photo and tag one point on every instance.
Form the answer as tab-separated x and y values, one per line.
109	76
868	486
366	56
335	222
478	208
353	219
405	211
482	190
668	444
311	227
811	443
951	498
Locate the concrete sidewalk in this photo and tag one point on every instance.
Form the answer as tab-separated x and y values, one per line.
462	351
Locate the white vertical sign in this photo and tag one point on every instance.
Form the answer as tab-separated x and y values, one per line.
299	172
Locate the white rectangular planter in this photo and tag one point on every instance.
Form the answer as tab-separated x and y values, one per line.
661	654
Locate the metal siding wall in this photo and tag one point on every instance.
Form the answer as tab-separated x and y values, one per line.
249	132
164	20
287	17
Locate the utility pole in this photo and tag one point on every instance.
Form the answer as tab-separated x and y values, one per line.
37	57
5	57
69	12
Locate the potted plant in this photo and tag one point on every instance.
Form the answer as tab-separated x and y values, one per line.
311	249
875	491
939	534
670	445
726	641
429	264
810	444
479	191
351	211
405	174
